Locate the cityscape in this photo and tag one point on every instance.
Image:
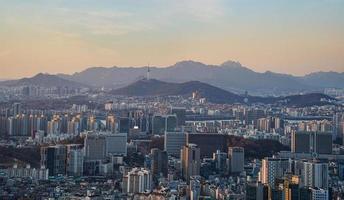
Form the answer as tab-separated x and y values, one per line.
186	129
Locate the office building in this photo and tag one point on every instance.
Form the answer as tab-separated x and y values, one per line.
162	123
158	163
171	123
180	112
311	142
236	159
54	158
124	125
116	144
220	159
95	146
75	160
257	191
190	161
174	142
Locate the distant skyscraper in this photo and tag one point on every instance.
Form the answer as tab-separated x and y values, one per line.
190	161
311	142
171	123
174	142
315	174
273	168
99	145
180	112
220	159
95	147
75	160
291	187
124	125
139	181
16	109
257	191
236	159
116	144
159	163
195	187
111	123
54	159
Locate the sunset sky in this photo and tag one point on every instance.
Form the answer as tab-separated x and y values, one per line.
67	36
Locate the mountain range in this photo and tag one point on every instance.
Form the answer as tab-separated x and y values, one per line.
153	87
230	76
43	80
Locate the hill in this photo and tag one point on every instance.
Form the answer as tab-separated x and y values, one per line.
43	80
213	94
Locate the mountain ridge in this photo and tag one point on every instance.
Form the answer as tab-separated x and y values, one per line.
44	80
153	87
230	75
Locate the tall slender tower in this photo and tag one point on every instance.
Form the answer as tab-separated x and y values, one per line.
148	71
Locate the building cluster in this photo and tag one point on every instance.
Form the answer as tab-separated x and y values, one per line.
175	148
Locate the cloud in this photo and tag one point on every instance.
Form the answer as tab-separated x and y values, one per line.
102	23
200	10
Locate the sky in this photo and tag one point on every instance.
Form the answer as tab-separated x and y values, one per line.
66	36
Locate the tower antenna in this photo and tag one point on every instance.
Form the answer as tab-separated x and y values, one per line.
148	72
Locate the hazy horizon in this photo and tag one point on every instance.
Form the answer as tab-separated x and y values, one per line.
292	37
209	64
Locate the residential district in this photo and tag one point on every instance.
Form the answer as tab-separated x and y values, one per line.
99	146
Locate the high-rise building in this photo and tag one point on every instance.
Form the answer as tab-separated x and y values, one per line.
273	168
291	187
158	124
16	109
174	142
257	191
139	181
195	187
311	142
319	194
315	174
75	160
124	125
251	116
95	147
54	159
111	123
220	159
171	123
180	112
162	123
98	145
159	163
116	144
190	161
236	159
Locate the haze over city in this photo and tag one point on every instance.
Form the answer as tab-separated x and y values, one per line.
174	99
294	37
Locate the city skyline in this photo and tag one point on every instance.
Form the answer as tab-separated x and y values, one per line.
297	37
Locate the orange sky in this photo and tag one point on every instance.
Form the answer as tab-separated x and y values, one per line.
295	38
